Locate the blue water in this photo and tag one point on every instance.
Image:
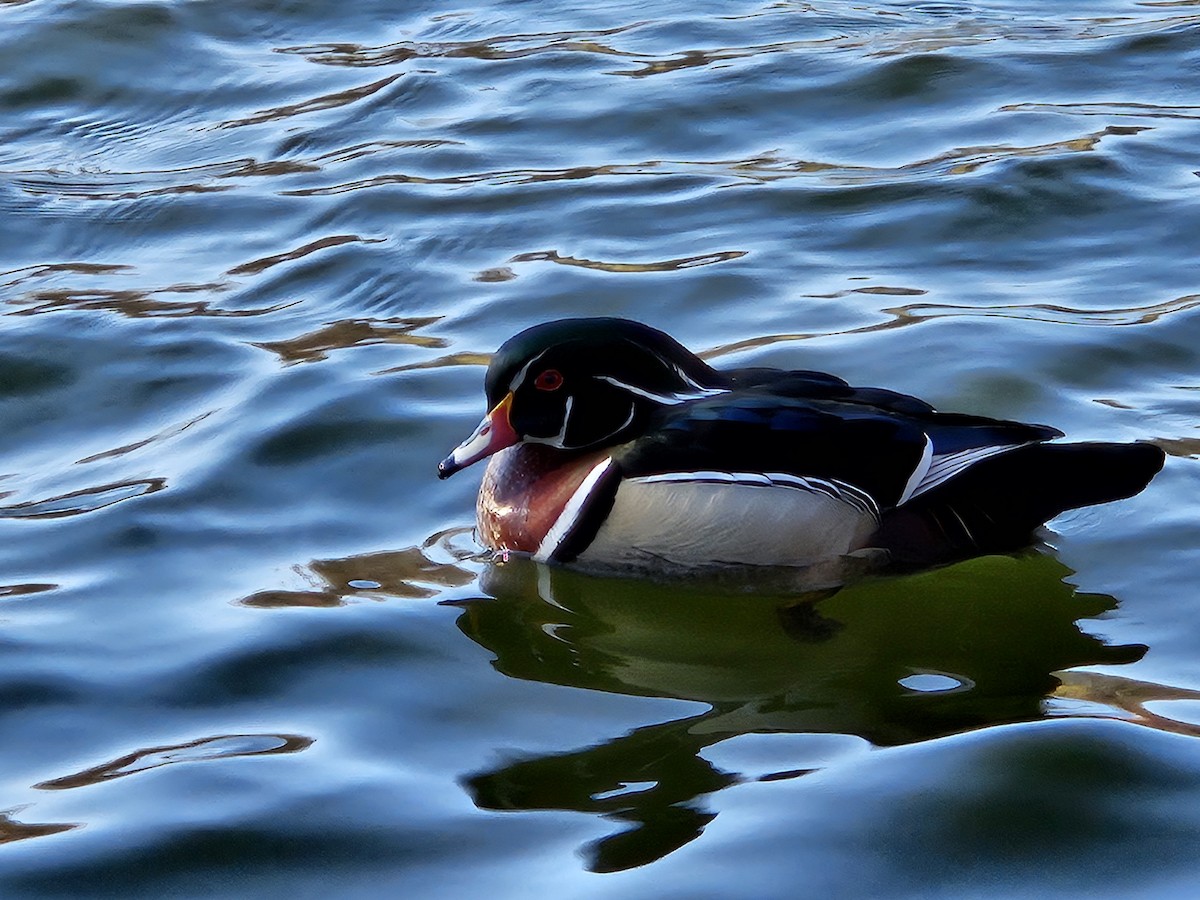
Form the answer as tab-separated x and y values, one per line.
253	257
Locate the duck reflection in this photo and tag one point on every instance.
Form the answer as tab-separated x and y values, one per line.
891	660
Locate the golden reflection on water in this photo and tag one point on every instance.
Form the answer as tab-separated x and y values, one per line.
500	47
1138	110
220	746
83	501
30	273
412	573
462	358
899	317
874	34
761	169
347	333
668	265
369	148
213	747
261	265
133	303
16	590
165	434
1123	698
914	313
325	101
1188	448
12	830
136	185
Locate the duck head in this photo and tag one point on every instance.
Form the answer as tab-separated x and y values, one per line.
578	384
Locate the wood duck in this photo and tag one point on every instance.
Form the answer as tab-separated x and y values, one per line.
614	447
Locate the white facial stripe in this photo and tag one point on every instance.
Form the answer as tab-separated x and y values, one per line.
560	440
571	512
667	399
628	419
519	378
556	440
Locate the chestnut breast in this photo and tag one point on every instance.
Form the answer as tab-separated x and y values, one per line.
524	490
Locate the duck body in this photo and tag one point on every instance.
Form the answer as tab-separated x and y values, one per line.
615	448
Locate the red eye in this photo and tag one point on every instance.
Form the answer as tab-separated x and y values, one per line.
549	380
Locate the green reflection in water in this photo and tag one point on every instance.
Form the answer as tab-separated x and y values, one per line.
993	629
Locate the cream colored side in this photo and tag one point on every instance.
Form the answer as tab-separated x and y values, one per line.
694	524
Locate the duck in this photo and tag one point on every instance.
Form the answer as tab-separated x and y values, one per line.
612	447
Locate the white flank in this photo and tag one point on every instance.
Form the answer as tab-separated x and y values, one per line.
519	378
570	515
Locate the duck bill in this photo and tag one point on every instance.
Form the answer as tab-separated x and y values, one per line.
494	433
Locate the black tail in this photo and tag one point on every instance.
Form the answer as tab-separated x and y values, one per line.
994	505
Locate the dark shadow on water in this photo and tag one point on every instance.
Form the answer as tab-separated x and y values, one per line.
892	660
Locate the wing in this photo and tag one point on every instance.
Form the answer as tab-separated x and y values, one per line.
959	441
889	454
745	437
806	385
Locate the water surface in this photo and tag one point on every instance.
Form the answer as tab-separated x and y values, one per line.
253	257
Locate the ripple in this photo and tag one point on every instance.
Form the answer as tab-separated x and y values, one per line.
114	185
51	183
915	32
669	265
83	501
461	358
912	314
221	746
370	148
314	104
1136	110
260	265
501	47
760	169
1050	312
163	435
316	345
29	273
135	304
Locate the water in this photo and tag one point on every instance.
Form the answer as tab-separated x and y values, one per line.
254	256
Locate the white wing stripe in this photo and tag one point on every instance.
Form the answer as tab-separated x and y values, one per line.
945	466
837	490
919	473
